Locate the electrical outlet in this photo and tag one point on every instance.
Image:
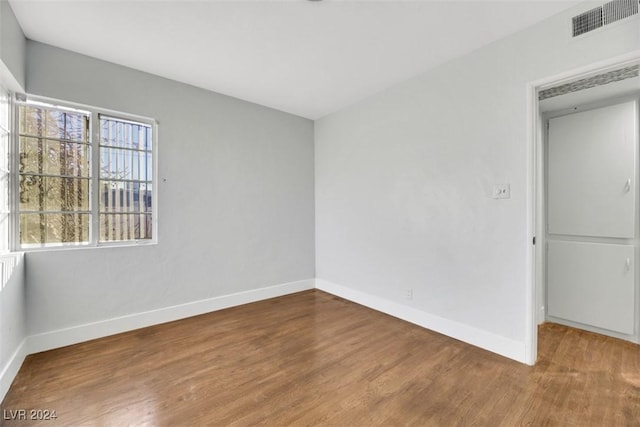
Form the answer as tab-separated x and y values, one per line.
408	294
501	191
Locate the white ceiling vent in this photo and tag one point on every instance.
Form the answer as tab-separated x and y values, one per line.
603	15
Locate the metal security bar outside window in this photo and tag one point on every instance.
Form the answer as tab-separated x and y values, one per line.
85	177
126	180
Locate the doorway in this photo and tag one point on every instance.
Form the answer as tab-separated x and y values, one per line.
586	237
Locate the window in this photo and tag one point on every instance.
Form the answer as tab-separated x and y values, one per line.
85	176
5	119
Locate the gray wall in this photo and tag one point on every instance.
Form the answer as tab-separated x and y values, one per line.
12	45
404	179
236	211
13	321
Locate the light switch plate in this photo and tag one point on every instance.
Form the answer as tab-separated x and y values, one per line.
501	191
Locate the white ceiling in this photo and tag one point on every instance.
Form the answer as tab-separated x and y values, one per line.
308	58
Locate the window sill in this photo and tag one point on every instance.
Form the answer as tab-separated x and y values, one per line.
86	246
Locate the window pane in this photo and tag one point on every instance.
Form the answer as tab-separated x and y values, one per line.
128	196
49	123
147	196
4	169
51	157
41	193
117	227
120	134
118	196
4	109
41	228
125	193
4	192
4	149
125	164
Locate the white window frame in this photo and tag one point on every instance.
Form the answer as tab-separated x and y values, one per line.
94	204
5	172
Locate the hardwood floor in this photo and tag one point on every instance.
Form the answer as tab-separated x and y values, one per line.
314	359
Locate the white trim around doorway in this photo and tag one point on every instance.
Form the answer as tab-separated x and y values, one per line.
535	202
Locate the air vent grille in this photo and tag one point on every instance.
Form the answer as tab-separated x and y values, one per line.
589	82
603	15
619	9
588	21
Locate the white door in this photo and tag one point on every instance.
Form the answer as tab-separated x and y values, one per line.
592	170
591	217
592	283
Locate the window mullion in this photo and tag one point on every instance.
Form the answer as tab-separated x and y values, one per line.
94	201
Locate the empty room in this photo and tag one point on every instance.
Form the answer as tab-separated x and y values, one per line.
319	212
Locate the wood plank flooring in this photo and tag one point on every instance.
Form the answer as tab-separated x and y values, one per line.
315	359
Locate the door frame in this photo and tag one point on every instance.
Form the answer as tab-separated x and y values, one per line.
535	219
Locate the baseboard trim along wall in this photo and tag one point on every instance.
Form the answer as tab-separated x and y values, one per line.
480	338
10	370
76	334
60	338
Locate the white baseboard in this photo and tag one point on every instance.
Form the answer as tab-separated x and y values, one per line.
89	331
9	371
63	337
515	350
